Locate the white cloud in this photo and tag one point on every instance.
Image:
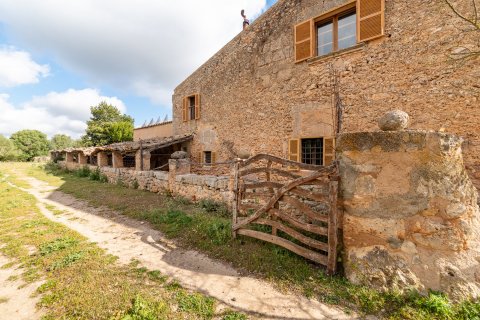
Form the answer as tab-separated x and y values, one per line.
144	46
57	112
17	67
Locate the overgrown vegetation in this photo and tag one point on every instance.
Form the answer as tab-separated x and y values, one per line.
81	281
207	228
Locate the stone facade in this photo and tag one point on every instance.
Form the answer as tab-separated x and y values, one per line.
178	181
411	218
254	97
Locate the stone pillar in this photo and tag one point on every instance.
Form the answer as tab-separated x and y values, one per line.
69	157
146	160
117	160
411	218
102	159
176	167
82	159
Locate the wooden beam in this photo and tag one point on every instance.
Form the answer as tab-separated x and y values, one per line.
299	224
306	253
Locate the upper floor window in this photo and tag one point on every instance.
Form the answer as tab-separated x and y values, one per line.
340	28
191	107
336	33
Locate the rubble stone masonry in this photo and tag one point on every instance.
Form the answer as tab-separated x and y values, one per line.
254	97
411	218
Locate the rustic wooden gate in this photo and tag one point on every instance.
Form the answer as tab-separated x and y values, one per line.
290	204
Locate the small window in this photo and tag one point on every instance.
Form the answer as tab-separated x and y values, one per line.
312	151
337	33
191	107
207	155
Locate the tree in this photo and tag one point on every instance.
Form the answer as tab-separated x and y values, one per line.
61	141
107	125
31	143
471	21
8	151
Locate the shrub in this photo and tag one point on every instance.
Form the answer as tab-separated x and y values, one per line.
83	172
217	208
219	232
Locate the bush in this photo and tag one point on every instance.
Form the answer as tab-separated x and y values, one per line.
217	208
83	172
96	175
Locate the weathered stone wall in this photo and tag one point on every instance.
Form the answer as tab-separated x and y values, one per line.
191	186
254	97
410	212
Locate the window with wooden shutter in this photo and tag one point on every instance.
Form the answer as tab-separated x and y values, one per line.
303	41
328	151
185	110
294	150
370	19
197	106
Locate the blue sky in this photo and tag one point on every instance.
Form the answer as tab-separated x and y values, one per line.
58	58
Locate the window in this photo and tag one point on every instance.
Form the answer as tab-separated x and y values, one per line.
312	151
337	33
207	155
339	28
316	151
191	107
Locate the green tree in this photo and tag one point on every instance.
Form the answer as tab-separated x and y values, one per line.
31	143
107	125
61	141
8	151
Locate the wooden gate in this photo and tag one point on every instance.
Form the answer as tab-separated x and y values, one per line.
290	204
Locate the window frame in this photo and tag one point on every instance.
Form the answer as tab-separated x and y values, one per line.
205	157
191	108
301	153
333	16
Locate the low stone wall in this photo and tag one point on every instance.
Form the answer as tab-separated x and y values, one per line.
192	186
411	218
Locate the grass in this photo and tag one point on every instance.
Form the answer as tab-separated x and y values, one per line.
81	281
207	227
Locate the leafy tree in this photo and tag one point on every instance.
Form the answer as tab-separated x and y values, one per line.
61	141
107	125
31	143
8	151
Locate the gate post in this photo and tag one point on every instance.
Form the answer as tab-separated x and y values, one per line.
235	196
332	227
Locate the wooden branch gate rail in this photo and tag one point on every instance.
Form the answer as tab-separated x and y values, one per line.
295	203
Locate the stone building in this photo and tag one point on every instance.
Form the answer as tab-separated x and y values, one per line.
156	130
269	90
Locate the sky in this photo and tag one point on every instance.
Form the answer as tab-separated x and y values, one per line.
59	57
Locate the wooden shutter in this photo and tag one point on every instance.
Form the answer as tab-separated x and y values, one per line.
303	40
328	151
197	106
185	109
370	19
214	157
294	150
200	157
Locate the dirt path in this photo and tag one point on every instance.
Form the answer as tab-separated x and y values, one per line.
16	301
130	239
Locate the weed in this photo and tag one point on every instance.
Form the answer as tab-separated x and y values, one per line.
3	300
67	261
196	303
135	184
214	207
219	232
435	303
95	174
83	172
234	315
156	276
57	245
173	285
47	286
145	310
